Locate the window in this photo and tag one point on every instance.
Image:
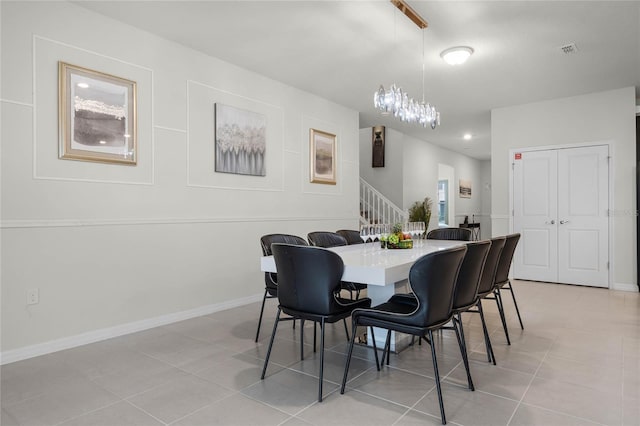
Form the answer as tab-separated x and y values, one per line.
443	202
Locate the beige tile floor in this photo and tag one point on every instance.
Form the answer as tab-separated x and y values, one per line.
576	363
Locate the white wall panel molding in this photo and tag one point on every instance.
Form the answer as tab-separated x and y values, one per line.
46	164
119	330
500	216
171	129
9	101
77	223
201	173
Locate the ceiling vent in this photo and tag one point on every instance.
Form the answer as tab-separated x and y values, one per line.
569	49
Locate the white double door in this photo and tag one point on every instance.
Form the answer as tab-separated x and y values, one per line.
560	208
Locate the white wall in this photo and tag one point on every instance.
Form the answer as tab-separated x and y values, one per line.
418	170
485	193
118	248
607	117
387	179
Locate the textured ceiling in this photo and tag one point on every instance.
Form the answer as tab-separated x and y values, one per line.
344	50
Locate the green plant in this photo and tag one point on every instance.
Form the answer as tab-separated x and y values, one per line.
420	211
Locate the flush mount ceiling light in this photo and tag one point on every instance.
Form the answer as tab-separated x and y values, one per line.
397	101
467	136
456	55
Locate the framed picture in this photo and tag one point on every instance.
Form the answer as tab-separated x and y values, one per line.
377	146
241	141
97	116
322	147
465	188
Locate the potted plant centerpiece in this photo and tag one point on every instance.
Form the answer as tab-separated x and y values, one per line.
420	211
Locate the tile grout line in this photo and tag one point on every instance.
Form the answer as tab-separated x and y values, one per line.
533	377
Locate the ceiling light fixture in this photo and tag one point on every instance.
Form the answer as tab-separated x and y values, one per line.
395	100
456	55
467	136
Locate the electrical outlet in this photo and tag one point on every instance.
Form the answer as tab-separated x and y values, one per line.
33	296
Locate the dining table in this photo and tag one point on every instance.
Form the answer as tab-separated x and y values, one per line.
385	272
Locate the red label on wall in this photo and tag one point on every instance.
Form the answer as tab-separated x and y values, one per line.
518	156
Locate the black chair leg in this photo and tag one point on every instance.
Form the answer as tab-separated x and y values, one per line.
388	345
513	296
487	340
315	332
302	339
346	366
322	326
385	350
346	330
264	298
375	349
498	298
273	335
457	326
437	376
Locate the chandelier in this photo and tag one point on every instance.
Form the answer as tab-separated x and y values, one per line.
396	101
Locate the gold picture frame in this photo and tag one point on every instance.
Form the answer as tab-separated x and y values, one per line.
322	149
97	116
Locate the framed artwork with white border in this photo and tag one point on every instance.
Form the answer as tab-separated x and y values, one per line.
97	116
322	149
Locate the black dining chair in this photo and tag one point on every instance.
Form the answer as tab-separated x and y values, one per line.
486	287
432	279
460	234
333	239
502	281
352	236
307	281
270	278
465	296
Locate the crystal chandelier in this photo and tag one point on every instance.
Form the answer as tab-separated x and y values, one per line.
396	101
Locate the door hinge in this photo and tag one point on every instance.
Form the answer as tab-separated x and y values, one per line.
607	265
513	166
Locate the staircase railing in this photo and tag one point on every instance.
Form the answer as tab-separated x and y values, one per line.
376	208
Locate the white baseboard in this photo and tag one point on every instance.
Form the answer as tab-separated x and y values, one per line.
624	287
27	352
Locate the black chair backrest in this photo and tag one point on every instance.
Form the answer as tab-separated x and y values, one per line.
432	279
267	240
352	236
504	264
466	291
307	278
270	278
460	234
490	266
326	239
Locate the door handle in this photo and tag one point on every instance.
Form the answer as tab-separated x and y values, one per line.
553	222
562	222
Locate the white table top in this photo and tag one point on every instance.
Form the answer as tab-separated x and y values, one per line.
369	264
